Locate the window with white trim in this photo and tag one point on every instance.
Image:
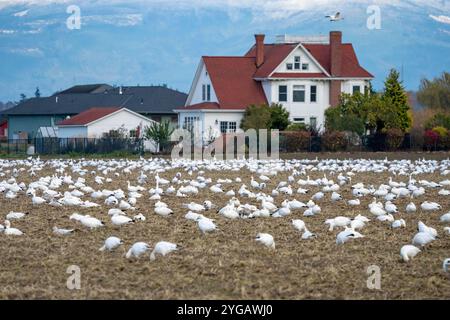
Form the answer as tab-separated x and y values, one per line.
313	94
227	126
305	66
282	93
190	122
297	63
356	89
299	120
289	66
206	92
298	93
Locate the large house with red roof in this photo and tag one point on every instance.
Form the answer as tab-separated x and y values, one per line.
304	74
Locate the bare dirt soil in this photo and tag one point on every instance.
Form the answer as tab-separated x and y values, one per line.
227	264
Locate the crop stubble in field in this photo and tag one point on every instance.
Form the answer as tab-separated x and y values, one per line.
227	264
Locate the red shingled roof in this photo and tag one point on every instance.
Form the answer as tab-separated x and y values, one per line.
350	64
276	53
232	80
88	116
233	77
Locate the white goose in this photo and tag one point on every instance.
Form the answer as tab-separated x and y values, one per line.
408	252
111	243
11	231
206	225
15	215
266	239
62	232
137	250
162	248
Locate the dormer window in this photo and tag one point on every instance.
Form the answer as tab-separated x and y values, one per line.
305	66
297	63
289	66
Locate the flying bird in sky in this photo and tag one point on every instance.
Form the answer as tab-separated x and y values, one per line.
335	17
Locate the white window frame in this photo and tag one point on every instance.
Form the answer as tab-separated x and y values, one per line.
294	90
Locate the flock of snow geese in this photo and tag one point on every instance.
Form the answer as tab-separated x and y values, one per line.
189	179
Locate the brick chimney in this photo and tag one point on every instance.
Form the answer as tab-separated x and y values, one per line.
259	49
336	52
336	66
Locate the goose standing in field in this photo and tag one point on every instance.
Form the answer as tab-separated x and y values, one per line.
137	250
38	200
121	220
411	207
445	217
430	206
408	252
162	248
192	216
390	207
87	221
399	224
163	211
111	243
266	239
15	215
422	227
421	239
336	196
386	217
308	234
346	235
298	224
194	206
11	231
337	222
205	224
62	232
354	202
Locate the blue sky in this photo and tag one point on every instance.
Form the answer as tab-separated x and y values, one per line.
153	42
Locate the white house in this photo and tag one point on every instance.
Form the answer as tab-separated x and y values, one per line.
100	122
304	74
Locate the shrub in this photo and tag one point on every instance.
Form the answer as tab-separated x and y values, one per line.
441	131
297	127
334	140
296	141
438	120
444	139
159	133
394	138
431	138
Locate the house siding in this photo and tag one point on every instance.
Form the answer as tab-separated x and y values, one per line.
30	124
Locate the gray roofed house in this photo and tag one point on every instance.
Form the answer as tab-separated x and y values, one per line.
86	88
155	102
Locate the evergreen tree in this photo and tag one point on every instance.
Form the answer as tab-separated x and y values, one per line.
395	93
37	93
279	117
23	97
